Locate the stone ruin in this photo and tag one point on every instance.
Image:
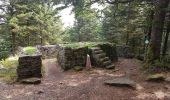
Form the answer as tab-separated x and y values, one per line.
110	50
30	66
69	57
48	51
124	51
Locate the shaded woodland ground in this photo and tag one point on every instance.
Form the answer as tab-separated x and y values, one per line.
88	85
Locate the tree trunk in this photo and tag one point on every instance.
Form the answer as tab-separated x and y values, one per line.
165	47
150	19
157	26
13	43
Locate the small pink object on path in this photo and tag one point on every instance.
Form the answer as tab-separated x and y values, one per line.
88	62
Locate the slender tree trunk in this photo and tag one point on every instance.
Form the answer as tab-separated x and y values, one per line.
157	26
128	28
13	43
150	19
127	38
13	35
165	47
28	40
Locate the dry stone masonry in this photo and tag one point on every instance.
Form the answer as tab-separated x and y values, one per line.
102	55
110	50
29	66
100	58
69	58
124	51
48	51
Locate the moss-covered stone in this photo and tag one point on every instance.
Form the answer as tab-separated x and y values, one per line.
110	50
78	68
68	57
29	66
155	77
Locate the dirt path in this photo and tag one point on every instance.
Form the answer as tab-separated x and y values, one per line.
87	85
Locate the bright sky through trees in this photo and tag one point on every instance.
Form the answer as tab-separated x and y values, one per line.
67	16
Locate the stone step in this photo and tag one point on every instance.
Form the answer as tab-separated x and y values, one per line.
104	59
110	67
33	80
98	51
107	63
101	55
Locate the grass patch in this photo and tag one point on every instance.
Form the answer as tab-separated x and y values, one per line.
30	50
8	75
81	44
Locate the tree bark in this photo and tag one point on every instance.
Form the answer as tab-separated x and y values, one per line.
157	26
150	19
13	43
165	47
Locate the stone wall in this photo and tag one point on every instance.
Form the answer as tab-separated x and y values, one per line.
110	50
124	51
29	66
48	51
68	58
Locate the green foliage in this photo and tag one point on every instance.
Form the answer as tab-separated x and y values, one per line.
87	26
30	50
9	75
156	66
4	49
11	62
149	55
81	44
30	23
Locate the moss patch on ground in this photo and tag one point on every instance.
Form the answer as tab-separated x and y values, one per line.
82	44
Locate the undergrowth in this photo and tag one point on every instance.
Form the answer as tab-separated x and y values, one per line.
8	73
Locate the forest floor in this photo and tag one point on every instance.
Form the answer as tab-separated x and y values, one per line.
88	85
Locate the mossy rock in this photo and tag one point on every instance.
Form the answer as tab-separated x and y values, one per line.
78	68
155	77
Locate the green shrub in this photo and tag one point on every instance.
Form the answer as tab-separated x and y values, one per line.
156	66
30	50
9	73
4	54
11	62
4	49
